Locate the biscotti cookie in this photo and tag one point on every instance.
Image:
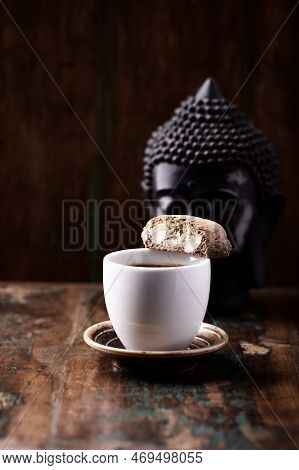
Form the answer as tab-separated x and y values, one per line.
186	234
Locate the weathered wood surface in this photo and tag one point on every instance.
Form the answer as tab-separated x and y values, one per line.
56	392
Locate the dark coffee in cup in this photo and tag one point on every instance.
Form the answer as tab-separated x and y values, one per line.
157	265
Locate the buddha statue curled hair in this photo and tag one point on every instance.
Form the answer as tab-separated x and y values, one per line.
207	130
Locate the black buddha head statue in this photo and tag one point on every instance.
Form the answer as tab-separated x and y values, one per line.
209	161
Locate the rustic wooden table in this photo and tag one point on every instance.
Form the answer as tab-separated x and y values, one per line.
56	392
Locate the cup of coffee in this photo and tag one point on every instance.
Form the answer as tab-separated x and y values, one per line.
156	300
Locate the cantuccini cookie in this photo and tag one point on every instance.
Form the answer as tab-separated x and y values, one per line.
186	234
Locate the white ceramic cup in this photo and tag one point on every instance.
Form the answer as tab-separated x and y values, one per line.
158	308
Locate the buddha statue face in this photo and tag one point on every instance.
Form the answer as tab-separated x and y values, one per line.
227	196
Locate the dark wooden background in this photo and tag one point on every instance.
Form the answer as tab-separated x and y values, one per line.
124	65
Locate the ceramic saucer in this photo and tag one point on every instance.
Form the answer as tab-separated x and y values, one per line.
102	337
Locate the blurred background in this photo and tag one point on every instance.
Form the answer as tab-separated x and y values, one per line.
121	67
